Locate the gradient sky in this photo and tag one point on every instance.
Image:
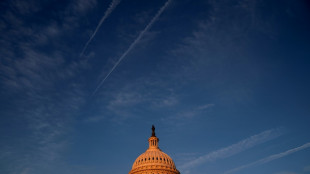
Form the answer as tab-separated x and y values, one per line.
225	82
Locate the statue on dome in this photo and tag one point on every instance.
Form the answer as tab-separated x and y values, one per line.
153	131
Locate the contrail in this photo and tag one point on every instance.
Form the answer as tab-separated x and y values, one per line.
112	6
270	158
235	148
134	43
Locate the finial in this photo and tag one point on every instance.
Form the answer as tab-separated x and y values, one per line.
153	131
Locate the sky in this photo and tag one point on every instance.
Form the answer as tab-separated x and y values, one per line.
225	82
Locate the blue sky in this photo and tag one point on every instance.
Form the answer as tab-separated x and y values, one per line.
225	82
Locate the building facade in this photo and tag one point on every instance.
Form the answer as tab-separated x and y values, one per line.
153	160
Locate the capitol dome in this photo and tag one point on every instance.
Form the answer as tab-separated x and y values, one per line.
153	160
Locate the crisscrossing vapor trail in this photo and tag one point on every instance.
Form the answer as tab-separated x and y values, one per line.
133	44
270	158
112	6
235	148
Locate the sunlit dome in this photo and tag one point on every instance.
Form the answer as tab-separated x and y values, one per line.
153	160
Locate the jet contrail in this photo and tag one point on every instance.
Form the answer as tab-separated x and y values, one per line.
134	43
112	6
270	158
235	148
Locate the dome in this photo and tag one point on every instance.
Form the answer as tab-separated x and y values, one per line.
153	160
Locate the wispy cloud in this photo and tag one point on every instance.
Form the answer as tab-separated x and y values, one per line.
26	8
307	168
133	44
235	148
270	158
43	117
208	45
81	6
206	106
145	92
286	173
183	115
107	13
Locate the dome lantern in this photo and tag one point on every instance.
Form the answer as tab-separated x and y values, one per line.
153	140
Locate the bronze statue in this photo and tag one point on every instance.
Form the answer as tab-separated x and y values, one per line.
153	131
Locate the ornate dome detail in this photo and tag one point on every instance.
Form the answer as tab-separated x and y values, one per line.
153	160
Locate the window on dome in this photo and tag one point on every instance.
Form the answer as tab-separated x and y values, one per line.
153	158
156	158
149	158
